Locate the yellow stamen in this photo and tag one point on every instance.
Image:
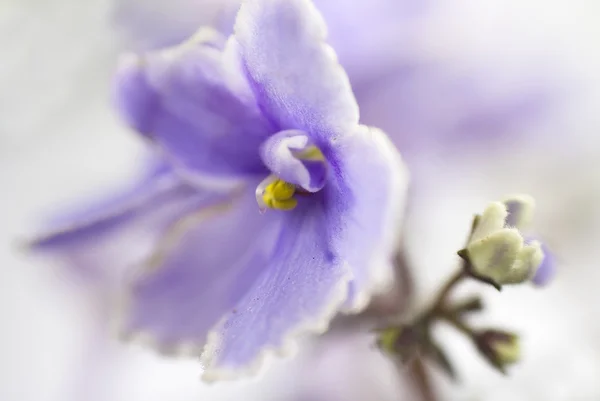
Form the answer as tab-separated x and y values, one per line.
311	153
287	204
281	190
280	195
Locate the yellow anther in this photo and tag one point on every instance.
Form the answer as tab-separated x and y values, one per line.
286	204
311	153
281	190
280	195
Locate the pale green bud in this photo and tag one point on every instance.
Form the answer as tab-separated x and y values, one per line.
500	348
496	250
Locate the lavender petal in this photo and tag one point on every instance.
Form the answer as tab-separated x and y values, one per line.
104	240
302	287
192	101
199	272
371	188
294	73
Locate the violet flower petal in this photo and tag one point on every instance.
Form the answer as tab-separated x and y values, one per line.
300	290
372	184
192	101
199	273
295	75
106	239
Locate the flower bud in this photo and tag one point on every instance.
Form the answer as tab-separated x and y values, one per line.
500	348
402	341
497	252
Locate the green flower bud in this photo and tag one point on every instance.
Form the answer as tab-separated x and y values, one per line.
500	348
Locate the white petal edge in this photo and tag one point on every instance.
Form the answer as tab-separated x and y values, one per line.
288	345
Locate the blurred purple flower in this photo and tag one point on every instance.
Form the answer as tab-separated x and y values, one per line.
269	114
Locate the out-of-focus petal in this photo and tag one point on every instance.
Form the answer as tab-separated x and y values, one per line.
193	102
295	75
424	107
105	239
202	267
300	290
292	157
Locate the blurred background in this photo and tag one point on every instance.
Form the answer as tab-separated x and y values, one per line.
483	99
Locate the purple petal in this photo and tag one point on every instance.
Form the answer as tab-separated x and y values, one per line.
373	184
282	154
203	267
106	239
520	211
547	270
192	101
294	73
302	287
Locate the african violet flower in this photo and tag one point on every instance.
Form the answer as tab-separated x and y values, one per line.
269	115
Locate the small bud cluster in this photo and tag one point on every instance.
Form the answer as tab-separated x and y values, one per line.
496	250
496	253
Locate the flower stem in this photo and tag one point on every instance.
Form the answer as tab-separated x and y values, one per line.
422	380
457	323
439	302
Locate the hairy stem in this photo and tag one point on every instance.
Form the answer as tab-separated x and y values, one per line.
438	304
